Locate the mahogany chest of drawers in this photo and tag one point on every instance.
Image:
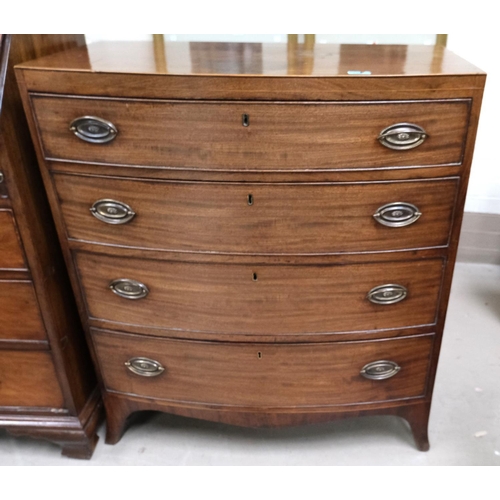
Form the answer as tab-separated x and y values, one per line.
253	238
48	388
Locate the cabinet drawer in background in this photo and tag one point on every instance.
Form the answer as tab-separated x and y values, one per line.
255	218
263	375
28	378
278	136
258	299
11	252
21	318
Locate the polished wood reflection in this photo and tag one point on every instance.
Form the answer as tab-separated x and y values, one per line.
300	57
160	55
242	58
268	59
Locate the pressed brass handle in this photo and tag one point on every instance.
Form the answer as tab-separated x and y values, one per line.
387	294
397	214
144	367
112	211
402	136
380	370
129	289
1	177
93	129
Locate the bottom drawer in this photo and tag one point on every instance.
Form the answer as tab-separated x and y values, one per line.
264	375
28	378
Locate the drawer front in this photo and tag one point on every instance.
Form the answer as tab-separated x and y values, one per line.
278	136
264	375
28	378
18	300
259	299
256	218
11	254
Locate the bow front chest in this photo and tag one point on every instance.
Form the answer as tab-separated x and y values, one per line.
255	235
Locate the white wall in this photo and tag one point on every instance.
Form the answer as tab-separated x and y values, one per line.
484	188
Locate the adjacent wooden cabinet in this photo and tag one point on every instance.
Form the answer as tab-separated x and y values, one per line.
255	238
47	384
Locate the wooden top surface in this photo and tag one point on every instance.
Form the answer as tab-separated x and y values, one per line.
256	59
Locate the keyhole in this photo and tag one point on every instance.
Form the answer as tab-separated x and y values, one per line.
259	355
254	277
250	199
245	120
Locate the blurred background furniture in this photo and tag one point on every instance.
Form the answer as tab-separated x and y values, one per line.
47	384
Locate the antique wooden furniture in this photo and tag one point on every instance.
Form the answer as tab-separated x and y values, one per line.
255	238
47	384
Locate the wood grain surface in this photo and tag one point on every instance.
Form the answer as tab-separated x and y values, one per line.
265	375
282	218
28	378
260	299
11	254
179	119
274	71
40	313
20	313
281	136
257	59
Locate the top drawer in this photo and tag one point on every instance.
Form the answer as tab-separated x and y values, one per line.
252	136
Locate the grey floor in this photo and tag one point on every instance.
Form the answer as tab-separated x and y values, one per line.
464	426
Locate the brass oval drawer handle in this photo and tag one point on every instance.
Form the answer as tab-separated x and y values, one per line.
112	211
1	177
387	294
93	129
129	289
397	214
402	136
144	367
380	370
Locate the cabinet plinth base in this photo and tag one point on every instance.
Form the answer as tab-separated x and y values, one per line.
77	435
120	407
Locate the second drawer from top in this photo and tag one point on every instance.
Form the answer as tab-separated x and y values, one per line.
251	218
